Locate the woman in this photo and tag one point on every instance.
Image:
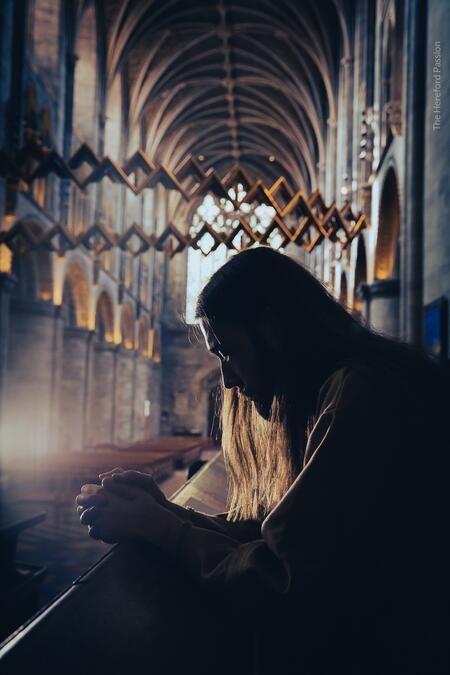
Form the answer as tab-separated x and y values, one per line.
334	439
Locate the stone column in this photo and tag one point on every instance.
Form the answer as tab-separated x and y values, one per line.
33	379
76	369
331	170
141	394
414	95
101	398
124	396
382	306
6	286
15	104
348	66
155	396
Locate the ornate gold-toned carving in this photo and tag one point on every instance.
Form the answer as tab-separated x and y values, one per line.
298	219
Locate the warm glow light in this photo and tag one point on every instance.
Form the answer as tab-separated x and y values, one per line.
9	219
91	315
271	158
5	259
45	296
58	280
117	329
154	346
201	158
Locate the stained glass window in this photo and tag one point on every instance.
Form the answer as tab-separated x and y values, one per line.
223	215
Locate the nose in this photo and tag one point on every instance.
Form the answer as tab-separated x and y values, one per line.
229	377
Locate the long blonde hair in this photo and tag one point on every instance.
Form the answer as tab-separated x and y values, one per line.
261	455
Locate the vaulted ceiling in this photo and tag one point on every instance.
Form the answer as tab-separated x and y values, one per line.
231	81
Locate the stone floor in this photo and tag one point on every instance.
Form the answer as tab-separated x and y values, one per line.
62	544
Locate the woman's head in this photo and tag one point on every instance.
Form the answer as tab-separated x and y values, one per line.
278	334
270	321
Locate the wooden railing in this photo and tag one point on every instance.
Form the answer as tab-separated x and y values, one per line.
135	612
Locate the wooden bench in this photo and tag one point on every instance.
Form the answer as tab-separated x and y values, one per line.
134	612
61	474
183	449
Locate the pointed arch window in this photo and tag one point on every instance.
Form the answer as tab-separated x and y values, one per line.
223	216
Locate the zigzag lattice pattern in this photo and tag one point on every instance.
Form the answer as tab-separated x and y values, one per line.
304	221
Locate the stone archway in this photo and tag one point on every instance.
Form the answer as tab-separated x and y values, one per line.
76	295
388	229
384	293
34	359
143	338
104	318
359	305
33	272
127	327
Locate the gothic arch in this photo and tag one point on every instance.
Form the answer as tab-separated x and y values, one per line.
76	291
386	251
155	345
343	293
360	272
127	327
273	101
33	271
143	336
104	317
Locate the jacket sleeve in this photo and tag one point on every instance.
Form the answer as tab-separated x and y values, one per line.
307	554
241	530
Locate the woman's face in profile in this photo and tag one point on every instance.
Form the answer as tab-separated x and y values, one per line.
246	362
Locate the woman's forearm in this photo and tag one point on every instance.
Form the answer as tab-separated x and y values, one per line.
242	530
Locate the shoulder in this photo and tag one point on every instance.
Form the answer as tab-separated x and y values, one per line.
349	403
353	385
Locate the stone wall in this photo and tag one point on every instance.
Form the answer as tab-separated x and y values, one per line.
76	386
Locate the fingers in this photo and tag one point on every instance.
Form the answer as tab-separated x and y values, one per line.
118	469
90	488
89	516
88	500
119	488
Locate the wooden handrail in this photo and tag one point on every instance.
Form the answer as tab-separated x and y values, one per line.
134	611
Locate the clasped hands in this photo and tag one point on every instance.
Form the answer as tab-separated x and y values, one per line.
128	505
